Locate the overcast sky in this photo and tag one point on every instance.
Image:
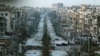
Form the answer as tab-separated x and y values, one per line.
48	3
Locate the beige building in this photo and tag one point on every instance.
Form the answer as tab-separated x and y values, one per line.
82	19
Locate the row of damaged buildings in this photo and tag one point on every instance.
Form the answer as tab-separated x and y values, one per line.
76	19
10	24
78	23
14	28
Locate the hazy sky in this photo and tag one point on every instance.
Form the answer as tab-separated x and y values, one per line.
48	3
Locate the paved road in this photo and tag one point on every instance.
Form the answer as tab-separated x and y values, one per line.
59	40
59	50
35	40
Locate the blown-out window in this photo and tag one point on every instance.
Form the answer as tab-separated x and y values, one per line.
6	14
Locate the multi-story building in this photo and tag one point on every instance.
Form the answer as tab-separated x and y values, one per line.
63	22
57	6
66	24
82	19
5	27
11	20
5	21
